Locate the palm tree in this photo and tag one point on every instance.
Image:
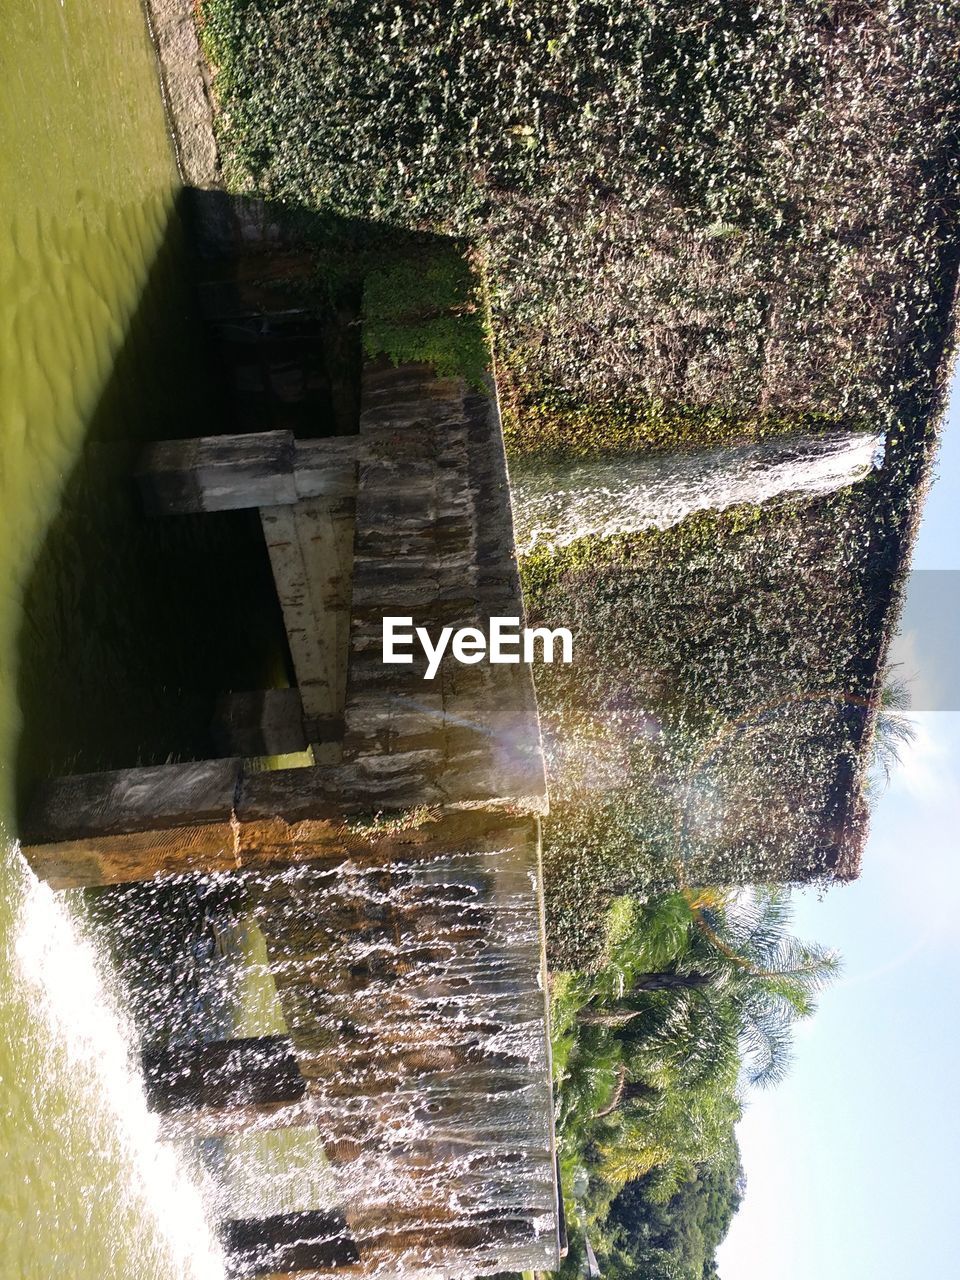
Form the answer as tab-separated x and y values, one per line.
893	729
732	988
697	996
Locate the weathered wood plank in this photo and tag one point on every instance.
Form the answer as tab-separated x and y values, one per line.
133	824
324	527
326	468
93	861
310	547
253	469
218	473
125	800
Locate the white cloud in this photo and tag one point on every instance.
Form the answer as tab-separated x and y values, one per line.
762	1235
928	765
906	664
888	922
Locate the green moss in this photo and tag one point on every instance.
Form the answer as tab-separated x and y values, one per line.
544	568
716	703
427	307
556	426
733	205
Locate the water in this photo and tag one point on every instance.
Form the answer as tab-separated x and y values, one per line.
411	989
414	993
139	1190
554	506
96	624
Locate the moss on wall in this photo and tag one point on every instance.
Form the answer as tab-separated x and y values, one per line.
737	211
427	306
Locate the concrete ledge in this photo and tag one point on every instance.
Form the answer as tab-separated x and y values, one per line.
184	81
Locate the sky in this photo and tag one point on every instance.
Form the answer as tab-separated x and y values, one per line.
853	1163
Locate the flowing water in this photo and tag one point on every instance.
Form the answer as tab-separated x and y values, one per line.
554	506
436	1103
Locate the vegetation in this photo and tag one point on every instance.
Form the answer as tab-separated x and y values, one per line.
694	999
676	1239
426	306
698	223
711	725
893	730
699	218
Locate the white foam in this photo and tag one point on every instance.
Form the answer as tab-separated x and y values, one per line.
71	995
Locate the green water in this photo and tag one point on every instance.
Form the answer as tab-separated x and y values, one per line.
105	617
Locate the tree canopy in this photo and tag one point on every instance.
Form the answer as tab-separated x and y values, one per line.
695	1001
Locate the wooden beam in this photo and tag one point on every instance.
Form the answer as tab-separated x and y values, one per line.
226	1086
256	469
326	468
311	553
218	473
133	824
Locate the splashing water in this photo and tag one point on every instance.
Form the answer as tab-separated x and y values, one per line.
57	965
425	1050
554	506
413	994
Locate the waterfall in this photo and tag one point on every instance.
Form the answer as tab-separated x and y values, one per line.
556	505
415	999
404	978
